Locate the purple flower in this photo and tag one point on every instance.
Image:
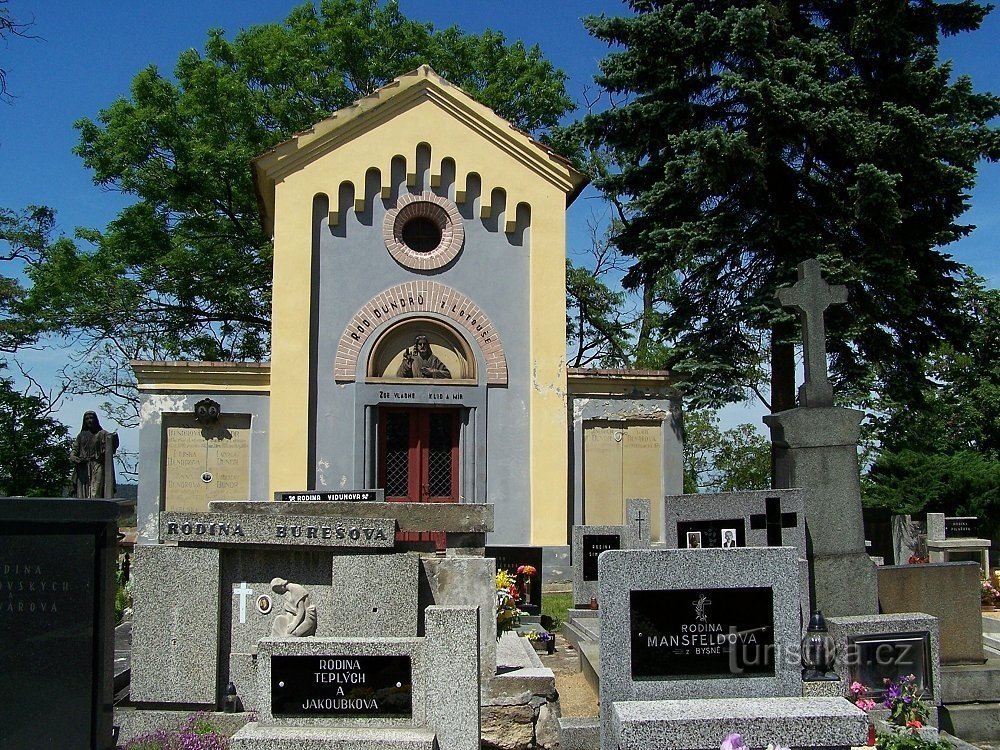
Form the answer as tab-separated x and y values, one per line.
733	741
892	692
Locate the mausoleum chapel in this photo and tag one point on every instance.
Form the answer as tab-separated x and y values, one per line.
418	338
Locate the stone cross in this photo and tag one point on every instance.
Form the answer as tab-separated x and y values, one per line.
242	591
811	295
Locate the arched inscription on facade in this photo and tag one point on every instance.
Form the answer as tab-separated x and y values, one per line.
420	297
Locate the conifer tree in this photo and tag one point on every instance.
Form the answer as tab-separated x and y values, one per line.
752	135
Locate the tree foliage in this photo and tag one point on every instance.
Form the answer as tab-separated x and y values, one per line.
9	26
748	137
185	271
34	448
945	456
724	460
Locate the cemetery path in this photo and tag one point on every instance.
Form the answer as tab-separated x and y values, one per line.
576	696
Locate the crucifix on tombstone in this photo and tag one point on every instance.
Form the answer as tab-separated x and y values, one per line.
773	520
811	295
639	519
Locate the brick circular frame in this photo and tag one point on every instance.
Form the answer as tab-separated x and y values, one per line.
421	296
442	212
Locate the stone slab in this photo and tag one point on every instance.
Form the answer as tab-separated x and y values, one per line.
256	737
447	517
342	647
971	683
843	629
374	595
699	724
947	591
467	582
175	625
453	688
579	733
298	530
718	506
974	722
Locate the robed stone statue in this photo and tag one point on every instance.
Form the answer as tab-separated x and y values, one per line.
93	458
421	363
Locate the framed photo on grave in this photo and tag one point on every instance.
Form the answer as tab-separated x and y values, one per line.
873	659
510	558
685	634
712	533
593	546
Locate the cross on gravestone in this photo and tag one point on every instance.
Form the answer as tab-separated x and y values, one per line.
811	295
639	519
242	591
773	520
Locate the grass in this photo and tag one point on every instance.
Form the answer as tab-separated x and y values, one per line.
555	606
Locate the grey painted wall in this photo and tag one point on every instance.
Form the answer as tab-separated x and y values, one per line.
152	406
351	265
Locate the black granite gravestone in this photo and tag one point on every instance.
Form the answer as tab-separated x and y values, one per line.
57	557
593	546
702	633
338	685
513	557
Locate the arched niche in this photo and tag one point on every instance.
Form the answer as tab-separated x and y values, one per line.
392	347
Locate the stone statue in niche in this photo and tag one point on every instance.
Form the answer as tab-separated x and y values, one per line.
93	458
299	618
421	363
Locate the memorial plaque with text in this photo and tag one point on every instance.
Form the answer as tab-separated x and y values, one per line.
890	656
55	626
332	496
342	686
960	527
593	546
702	633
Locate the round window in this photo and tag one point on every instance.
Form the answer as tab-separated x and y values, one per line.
421	235
423	232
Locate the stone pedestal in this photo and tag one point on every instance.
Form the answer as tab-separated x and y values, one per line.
817	450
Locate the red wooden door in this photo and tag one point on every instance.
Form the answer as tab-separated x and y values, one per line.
418	458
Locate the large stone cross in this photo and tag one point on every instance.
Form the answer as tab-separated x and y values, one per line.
811	295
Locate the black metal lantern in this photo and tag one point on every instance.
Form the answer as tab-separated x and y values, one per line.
230	699
818	651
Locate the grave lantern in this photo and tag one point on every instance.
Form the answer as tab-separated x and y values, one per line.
818	651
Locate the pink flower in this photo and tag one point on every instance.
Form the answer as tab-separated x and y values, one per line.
865	704
858	689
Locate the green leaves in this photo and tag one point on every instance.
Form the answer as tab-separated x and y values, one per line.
185	271
34	448
749	138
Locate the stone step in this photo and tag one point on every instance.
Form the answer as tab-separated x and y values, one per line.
590	664
698	724
971	683
254	736
580	733
973	722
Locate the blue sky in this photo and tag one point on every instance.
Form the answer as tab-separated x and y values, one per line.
87	52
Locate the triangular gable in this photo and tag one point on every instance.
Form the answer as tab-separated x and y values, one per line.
403	93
